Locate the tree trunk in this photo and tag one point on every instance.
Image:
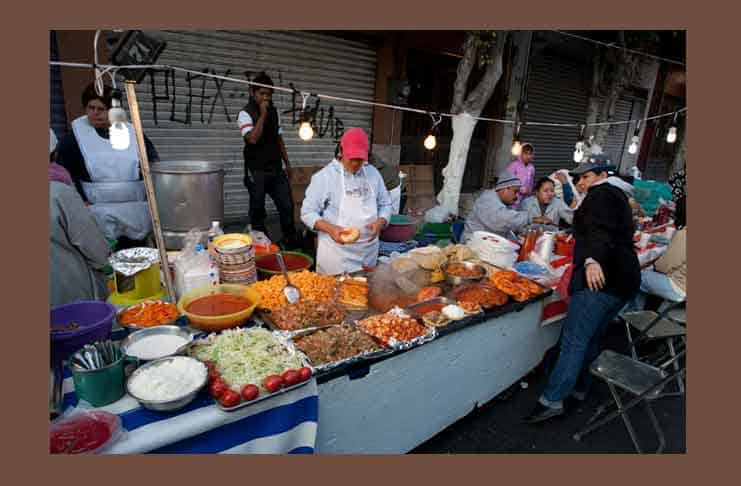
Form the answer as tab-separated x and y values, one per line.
465	108
598	73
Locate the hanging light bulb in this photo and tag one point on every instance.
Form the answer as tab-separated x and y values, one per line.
516	145
579	147
118	131
633	147
305	132
431	140
671	137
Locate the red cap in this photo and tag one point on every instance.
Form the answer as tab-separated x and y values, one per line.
354	144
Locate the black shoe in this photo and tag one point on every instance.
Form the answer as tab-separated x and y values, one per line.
541	413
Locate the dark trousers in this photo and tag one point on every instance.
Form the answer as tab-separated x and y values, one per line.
275	184
586	322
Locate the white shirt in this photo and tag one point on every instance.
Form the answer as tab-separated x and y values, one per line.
246	124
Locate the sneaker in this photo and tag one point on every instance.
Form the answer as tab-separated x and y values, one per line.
541	413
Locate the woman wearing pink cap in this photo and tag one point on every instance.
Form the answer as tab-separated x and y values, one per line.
346	195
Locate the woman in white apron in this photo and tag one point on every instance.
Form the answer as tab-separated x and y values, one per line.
108	180
347	193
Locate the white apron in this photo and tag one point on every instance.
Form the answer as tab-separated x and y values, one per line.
118	197
357	210
395	194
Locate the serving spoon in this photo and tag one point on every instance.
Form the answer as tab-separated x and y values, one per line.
292	293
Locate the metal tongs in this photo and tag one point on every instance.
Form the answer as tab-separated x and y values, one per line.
292	293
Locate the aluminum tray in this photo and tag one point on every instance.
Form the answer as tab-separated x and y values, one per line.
292	350
404	345
326	367
264	317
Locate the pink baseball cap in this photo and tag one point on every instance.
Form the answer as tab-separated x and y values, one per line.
354	143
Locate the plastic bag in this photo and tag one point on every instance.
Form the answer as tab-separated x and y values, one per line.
84	431
193	268
438	214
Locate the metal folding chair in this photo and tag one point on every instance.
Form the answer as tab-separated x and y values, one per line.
667	325
634	377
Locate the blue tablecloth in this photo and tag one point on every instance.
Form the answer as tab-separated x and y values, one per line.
284	424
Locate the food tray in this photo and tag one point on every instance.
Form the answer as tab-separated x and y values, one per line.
132	327
404	345
292	350
326	367
412	309
264	316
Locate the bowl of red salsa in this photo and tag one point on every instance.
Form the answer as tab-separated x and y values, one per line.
267	265
221	307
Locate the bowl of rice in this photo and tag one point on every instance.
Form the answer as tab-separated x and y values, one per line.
167	384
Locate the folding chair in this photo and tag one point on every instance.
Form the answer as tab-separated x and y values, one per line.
634	377
667	325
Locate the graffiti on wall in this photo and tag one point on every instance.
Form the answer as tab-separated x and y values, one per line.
199	107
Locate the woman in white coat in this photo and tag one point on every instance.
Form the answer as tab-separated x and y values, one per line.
347	193
544	207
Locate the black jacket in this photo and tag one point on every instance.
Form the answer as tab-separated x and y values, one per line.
265	154
603	230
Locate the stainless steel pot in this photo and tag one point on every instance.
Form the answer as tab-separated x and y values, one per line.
190	194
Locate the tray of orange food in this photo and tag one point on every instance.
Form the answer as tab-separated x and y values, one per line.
515	285
147	314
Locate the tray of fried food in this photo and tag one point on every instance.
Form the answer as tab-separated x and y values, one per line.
397	328
515	285
304	314
485	295
353	292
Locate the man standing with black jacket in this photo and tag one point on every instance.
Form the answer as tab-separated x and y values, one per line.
264	156
606	276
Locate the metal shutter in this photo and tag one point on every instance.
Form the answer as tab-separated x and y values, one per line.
557	92
57	115
312	62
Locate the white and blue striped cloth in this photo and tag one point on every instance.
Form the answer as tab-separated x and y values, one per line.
284	424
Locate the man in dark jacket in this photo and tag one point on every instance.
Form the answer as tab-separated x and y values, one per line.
264	156
606	276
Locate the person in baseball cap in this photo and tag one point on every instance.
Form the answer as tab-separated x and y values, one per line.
348	205
491	211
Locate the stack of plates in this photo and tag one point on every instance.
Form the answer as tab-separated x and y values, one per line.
236	257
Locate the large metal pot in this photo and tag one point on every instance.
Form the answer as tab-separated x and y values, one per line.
190	194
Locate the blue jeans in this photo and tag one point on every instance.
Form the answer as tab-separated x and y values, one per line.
586	322
658	284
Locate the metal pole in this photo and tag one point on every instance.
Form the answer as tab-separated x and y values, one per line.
147	176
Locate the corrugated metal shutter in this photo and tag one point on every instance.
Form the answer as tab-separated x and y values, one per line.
312	62
557	92
57	115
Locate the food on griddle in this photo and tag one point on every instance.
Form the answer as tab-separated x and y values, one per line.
435	319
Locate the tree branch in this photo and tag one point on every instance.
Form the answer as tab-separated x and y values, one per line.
478	98
465	66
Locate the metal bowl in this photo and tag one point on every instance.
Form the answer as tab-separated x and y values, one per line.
455	280
168	405
131	327
154	331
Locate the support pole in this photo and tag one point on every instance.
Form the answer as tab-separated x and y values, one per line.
147	176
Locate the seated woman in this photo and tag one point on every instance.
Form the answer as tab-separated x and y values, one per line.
544	207
108	180
78	249
668	278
